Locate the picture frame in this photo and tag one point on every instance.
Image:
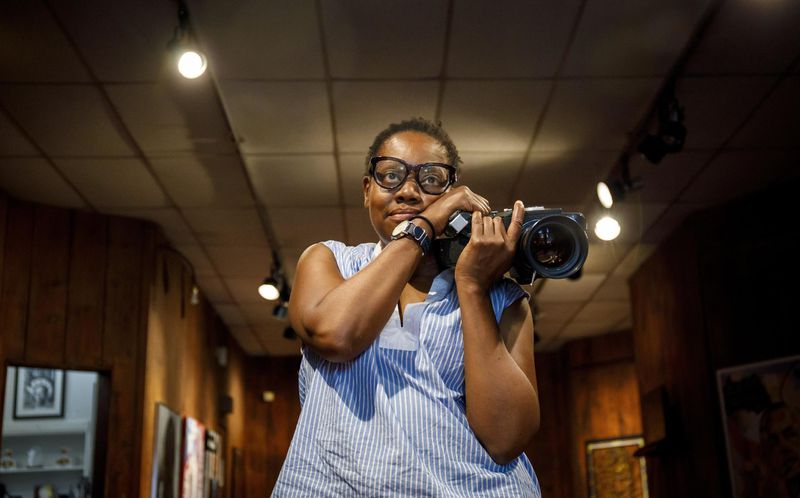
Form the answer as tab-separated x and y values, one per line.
613	469
38	393
760	410
167	448
193	459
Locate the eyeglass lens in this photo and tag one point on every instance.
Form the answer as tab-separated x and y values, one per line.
432	178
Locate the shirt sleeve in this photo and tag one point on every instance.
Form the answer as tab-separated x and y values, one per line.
503	294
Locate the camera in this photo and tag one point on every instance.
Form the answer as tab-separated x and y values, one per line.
552	243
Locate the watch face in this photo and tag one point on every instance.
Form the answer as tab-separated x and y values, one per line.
399	228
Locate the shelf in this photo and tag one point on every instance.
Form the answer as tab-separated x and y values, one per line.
27	470
44	428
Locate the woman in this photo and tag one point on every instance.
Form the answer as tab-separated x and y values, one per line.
414	381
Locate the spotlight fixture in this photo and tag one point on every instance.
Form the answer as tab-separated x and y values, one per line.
195	299
281	310
191	62
607	228
270	288
611	191
671	133
289	334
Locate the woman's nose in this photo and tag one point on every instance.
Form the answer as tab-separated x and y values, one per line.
409	189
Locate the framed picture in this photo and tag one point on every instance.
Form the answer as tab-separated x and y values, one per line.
194	455
760	405
613	470
166	454
38	393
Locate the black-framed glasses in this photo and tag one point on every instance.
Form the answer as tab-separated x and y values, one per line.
391	172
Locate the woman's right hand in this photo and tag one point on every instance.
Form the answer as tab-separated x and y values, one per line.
460	198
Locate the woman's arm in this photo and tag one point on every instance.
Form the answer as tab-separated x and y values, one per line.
499	372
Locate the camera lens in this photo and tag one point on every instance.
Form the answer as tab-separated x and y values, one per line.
552	245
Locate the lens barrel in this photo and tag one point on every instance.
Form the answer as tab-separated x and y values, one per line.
553	246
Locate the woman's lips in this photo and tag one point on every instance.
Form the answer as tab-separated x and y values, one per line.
398	217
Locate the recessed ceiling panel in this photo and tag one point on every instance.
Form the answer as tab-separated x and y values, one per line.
594	114
227	226
633	260
493	176
605	313
318	224
168	118
204	180
564	290
271	336
492	116
114	183
604	256
279	117
749	37
775	123
247	340
121	40
297	180
35	48
614	289
519	39
34	179
213	288
169	220
198	258
12	142
231	314
556	177
364	108
367	39
65	120
256	39
240	260
353	168
631	38
245	290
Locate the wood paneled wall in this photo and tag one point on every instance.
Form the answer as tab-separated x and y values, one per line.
721	291
74	295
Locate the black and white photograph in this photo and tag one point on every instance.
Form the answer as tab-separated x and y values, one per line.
39	393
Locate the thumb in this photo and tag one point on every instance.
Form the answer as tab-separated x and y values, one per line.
515	227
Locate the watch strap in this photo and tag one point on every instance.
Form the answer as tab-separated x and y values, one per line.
417	234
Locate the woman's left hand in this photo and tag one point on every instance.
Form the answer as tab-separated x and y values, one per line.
490	250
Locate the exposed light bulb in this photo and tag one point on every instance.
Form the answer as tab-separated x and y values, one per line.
195	300
604	195
607	228
269	291
192	64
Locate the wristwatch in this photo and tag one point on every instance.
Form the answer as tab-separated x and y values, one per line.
414	232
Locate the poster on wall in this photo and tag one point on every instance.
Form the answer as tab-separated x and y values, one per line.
613	470
166	454
38	393
760	405
213	468
193	462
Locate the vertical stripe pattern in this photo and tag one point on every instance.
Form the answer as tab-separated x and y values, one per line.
392	422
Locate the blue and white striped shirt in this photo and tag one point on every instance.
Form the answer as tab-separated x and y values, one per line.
392	422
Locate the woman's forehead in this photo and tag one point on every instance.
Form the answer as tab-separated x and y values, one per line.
413	146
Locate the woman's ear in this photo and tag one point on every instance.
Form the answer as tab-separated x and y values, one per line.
365	184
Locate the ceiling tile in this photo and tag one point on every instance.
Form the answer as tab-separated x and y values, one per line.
214	289
359	228
240	260
122	41
492	116
353	168
12	142
256	39
493	175
605	256
114	183
227	226
319	224
204	180
170	220
247	340
663	182
183	116
364	108
562	177
231	315
669	221
604	313
631	38
576	330
279	117
555	312
261	313
34	179
565	290
245	289
198	258
271	336
594	114
775	123
735	173
614	289
368	39
41	51
300	180
635	257
749	37
65	120
521	39
715	107
289	258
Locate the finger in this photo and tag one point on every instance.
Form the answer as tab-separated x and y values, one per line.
499	228
515	227
477	224
488	226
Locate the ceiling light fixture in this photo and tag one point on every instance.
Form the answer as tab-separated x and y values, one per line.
607	228
270	287
671	133
190	60
611	191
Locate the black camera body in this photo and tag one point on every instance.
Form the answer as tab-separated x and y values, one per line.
552	243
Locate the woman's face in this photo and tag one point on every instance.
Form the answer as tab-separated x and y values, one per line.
387	208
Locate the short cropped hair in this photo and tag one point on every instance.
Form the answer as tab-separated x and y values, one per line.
419	124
